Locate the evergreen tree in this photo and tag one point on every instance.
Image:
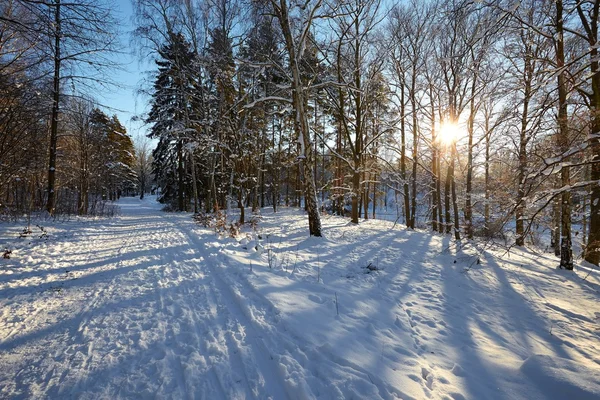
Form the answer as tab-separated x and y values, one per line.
171	115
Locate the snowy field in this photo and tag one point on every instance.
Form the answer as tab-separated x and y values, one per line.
152	305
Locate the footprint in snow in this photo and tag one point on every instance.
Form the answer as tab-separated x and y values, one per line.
457	370
316	299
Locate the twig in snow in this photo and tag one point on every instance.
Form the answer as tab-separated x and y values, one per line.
295	260
588	274
318	269
395	222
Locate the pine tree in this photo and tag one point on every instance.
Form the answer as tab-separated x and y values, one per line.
171	106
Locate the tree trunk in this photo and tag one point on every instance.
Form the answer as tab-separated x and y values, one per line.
454	200
584	219
486	211
194	183
566	252
592	249
51	202
142	184
355	191
374	198
211	195
447	184
555	239
241	207
300	121
366	197
438	189
523	161
403	160
434	171
469	183
180	181
415	129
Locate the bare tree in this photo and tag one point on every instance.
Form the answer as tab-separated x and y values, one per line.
77	37
296	36
143	156
589	13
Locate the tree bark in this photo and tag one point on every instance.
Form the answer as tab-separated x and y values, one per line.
403	159
592	249
447	184
194	183
51	202
454	200
180	181
469	183
523	140
300	121
434	171
486	211
415	129
566	252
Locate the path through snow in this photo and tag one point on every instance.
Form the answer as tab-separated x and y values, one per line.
129	308
150	305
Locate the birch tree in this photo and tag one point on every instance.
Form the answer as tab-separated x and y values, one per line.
295	34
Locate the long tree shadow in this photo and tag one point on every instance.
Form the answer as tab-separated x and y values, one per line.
139	365
474	317
82	280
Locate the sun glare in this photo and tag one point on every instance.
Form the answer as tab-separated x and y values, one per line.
448	133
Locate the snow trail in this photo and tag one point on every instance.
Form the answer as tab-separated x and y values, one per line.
151	305
145	315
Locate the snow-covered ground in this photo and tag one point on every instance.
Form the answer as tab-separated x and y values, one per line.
152	305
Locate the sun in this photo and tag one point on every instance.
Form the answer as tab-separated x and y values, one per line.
448	133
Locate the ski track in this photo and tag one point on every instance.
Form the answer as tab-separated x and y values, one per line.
161	309
151	305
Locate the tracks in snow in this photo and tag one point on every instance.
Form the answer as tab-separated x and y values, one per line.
290	365
153	312
237	356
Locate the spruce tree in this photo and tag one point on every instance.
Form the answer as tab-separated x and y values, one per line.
171	107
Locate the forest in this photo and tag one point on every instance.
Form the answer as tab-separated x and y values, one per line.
317	199
476	119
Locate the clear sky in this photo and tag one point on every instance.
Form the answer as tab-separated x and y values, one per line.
122	98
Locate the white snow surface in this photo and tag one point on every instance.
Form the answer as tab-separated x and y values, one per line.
152	305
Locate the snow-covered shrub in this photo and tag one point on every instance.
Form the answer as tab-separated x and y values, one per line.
218	222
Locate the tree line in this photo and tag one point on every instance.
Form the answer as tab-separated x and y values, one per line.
59	151
344	105
473	118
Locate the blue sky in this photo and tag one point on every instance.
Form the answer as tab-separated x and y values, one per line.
122	98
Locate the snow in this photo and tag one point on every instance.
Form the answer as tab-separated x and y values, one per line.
150	304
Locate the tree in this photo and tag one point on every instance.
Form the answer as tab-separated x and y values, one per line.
171	106
452	53
411	41
566	252
357	65
143	166
23	135
295	45
589	13
80	36
527	52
